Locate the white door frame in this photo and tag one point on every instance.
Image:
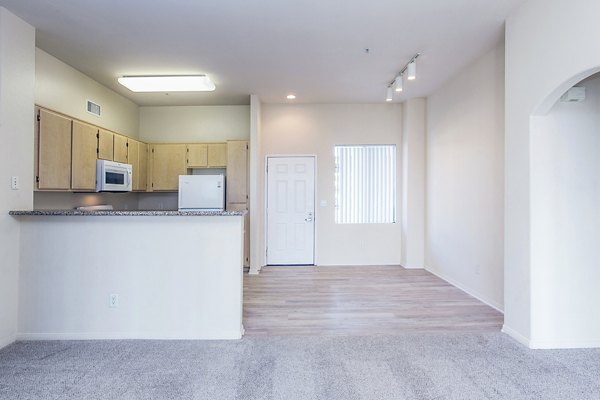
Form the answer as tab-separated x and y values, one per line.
266	194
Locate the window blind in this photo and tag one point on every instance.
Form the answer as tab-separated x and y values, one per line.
365	184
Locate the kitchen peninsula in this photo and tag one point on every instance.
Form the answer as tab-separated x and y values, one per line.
130	274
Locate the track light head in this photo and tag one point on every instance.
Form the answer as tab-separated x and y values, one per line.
390	94
399	83
411	71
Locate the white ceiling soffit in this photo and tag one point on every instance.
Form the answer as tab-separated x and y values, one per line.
312	48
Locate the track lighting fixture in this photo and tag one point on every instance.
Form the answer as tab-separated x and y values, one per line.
411	71
390	94
398	83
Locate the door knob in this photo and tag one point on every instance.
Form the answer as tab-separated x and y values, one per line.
309	218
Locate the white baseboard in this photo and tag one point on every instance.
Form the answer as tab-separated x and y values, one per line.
224	335
478	296
516	335
7	340
409	267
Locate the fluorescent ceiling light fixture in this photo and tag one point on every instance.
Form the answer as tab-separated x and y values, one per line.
411	71
291	96
172	83
390	94
398	83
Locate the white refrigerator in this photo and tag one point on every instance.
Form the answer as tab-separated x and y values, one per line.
201	192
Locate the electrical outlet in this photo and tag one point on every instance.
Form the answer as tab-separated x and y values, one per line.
113	301
14	183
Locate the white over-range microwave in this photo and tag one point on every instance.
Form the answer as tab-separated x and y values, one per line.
113	176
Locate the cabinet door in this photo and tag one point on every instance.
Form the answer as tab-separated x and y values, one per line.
237	171
217	155
242	207
120	148
133	156
168	162
54	151
143	166
197	155
83	164
105	145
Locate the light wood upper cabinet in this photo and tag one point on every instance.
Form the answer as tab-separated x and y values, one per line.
54	151
143	166
138	156
133	150
105	145
237	172
197	155
217	155
168	162
83	164
120	149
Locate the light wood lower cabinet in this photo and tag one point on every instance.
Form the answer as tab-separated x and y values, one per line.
105	145
243	207
168	161
83	164
54	151
120	149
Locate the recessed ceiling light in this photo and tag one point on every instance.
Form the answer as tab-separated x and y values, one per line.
291	96
173	83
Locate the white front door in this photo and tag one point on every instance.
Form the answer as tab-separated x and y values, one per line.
290	210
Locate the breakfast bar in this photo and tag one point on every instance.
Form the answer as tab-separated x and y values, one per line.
130	274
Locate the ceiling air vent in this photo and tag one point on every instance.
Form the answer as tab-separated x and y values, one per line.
93	108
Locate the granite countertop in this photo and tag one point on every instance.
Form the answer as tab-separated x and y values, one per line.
152	213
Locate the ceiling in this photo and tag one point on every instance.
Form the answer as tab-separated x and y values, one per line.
312	48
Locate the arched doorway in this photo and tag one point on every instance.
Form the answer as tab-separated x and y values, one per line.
565	218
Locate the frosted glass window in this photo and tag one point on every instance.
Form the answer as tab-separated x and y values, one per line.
365	184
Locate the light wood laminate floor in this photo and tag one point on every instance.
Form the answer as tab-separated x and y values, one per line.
359	301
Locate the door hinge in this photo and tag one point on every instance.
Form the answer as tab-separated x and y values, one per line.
39	117
37	179
97	135
247	146
127	144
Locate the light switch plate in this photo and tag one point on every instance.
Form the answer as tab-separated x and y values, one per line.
14	183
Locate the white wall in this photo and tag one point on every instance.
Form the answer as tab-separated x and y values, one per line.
62	88
565	188
550	46
413	183
315	129
17	69
176	277
465	179
194	124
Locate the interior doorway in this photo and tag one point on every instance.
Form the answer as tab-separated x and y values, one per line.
565	219
290	210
